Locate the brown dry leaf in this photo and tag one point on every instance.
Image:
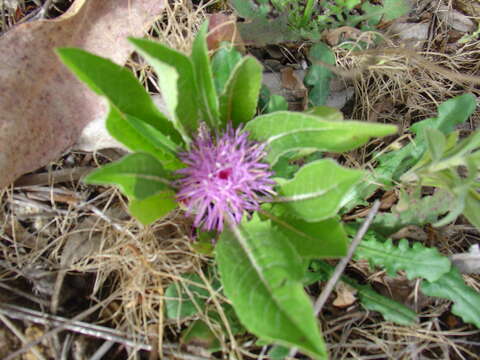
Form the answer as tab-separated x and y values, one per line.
345	295
43	108
223	27
334	36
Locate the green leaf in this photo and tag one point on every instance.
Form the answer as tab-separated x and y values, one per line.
326	113
318	76
394	9
318	189
119	86
137	175
472	208
370	299
223	63
278	352
285	131
276	103
450	114
412	210
452	287
185	298
436	143
209	104
244	8
199	333
153	207
176	81
261	274
142	137
238	103
322	239
416	261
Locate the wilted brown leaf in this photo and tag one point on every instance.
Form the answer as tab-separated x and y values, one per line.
43	108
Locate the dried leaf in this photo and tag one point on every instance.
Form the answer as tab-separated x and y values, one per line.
468	263
43	108
345	295
223	27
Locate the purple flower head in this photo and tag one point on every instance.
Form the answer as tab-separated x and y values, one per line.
224	177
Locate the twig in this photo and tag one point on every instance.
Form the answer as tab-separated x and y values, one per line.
101	332
339	269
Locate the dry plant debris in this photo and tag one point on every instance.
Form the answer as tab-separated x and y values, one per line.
77	247
40	96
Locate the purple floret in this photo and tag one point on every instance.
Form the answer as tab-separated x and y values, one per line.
224	178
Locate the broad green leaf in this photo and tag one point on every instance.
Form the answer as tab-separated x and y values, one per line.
203	73
417	260
318	189
119	86
223	63
466	301
185	298
450	113
394	9
390	309
137	175
285	131
142	137
238	103
322	239
153	207
261	274
412	210
318	76
176	81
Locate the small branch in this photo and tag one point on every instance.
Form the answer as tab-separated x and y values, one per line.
340	268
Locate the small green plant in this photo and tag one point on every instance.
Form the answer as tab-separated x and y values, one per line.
309	18
258	186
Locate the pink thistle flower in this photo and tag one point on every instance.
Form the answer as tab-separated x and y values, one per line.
224	178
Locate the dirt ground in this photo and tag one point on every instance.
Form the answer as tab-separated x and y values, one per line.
71	255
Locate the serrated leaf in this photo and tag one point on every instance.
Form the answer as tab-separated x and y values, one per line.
184	299
177	82
318	76
452	287
261	274
137	175
119	86
142	137
323	239
285	131
413	211
318	189
209	103
417	260
238	103
154	207
223	63
390	309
